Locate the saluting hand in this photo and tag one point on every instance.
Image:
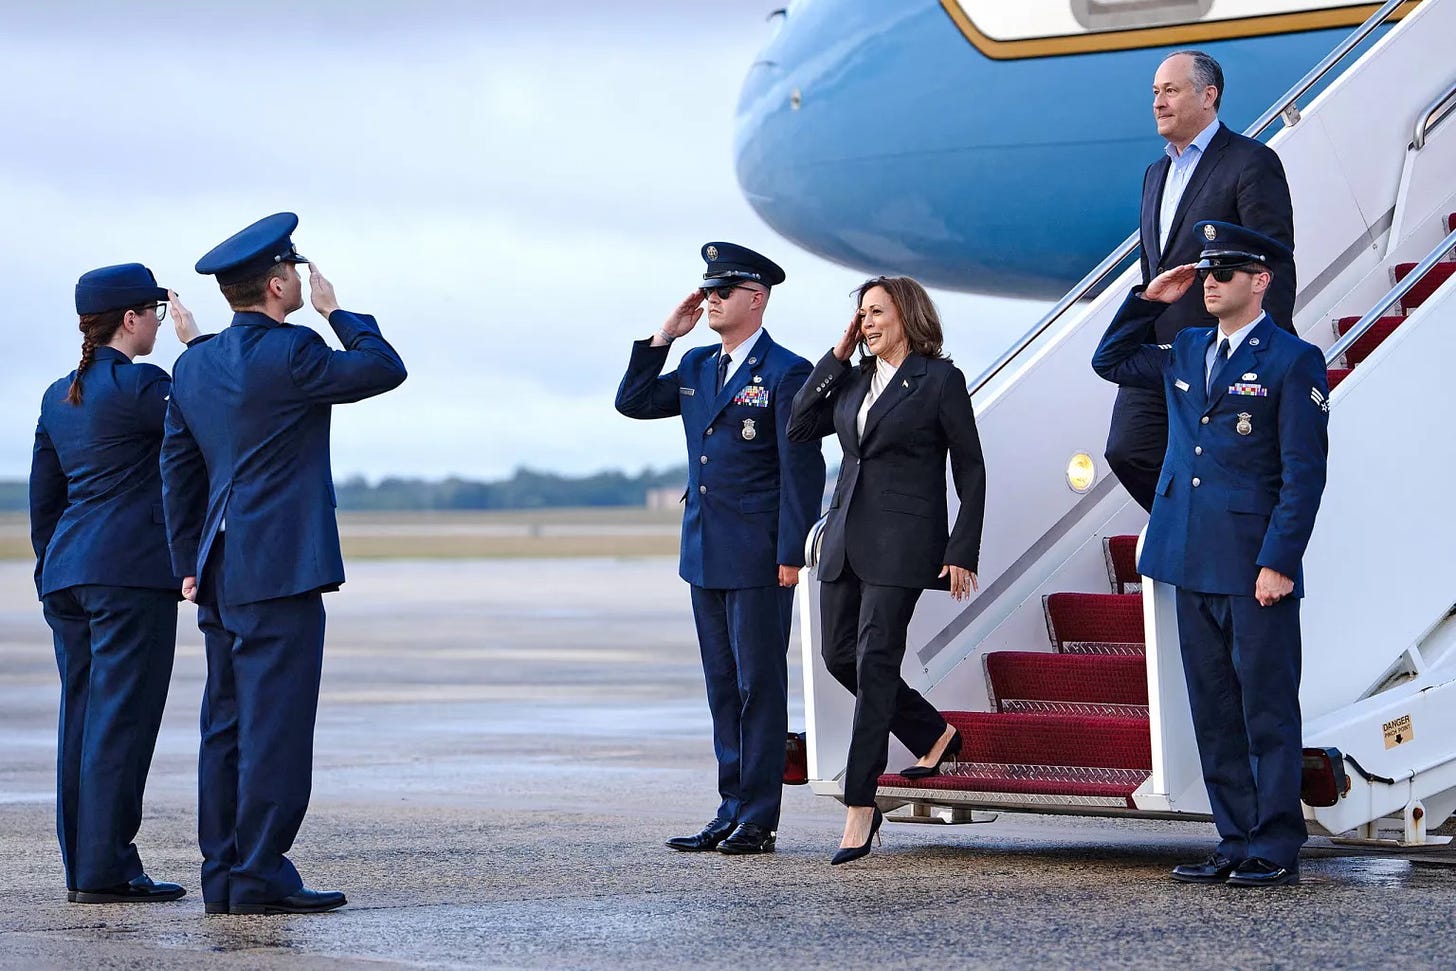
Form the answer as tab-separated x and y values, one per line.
684	316
1169	285
321	292
850	340
182	321
962	582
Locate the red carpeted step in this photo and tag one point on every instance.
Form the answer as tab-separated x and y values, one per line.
1071	684
1095	623
1054	755
1337	374
1368	341
1428	284
1120	552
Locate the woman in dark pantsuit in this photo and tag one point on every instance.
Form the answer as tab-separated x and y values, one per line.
105	577
898	415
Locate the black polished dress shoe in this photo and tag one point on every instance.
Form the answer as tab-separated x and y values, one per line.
847	853
952	749
1215	869
139	891
749	838
305	901
1259	872
708	839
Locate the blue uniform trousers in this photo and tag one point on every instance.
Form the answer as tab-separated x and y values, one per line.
114	650
743	635
255	768
1242	664
865	627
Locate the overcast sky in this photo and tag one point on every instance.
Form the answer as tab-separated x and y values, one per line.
516	191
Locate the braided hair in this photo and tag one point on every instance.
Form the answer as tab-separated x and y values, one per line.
97	330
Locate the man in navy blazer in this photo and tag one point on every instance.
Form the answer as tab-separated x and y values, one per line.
1207	172
249	502
752	497
1236	503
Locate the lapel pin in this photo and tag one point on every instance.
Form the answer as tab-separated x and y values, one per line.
1253	342
905	384
752	361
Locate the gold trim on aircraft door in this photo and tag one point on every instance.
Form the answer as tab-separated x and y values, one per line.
1164	35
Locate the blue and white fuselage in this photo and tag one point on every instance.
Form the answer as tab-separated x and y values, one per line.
986	145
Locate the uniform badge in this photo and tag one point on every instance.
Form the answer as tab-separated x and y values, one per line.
750	432
1245	426
757	379
1251	376
711	252
1209	233
1180	384
1253	342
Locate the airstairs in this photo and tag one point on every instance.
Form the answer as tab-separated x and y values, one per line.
1063	675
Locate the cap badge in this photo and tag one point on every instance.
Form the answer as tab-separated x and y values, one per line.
1210	233
711	252
1245	426
749	432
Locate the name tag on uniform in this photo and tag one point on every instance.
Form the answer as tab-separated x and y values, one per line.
1249	390
753	395
687	391
1180	384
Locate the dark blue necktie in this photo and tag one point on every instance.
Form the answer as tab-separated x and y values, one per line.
1219	360
723	363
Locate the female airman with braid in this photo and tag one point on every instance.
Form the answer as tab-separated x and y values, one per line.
104	575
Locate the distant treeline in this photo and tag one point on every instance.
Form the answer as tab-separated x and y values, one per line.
525	489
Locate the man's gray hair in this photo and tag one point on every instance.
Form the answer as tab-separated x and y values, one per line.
1204	72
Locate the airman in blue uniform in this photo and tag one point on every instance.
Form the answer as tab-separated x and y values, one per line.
249	501
752	497
1236	502
103	574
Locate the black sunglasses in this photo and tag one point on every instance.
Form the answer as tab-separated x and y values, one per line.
1221	274
724	292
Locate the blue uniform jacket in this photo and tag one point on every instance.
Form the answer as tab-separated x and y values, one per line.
1227	503
752	494
247	443
95	489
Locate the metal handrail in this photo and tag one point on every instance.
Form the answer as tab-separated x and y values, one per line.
1436	112
1386	302
1285	106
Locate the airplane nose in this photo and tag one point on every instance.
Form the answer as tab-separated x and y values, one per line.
872	135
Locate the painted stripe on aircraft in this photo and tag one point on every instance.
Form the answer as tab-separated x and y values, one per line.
1163	35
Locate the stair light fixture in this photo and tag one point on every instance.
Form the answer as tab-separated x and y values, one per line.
1081	472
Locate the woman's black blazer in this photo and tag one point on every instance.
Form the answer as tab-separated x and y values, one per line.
888	515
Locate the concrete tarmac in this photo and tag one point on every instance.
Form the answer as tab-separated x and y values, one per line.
504	745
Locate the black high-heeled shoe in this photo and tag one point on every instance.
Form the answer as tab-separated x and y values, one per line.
952	749
847	853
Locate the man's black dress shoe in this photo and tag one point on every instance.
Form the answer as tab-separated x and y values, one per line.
952	749
1259	872
749	838
141	890
1215	869
305	901
712	834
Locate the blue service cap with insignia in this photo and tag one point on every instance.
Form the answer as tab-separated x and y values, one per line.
730	264
119	287
1228	247
253	251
